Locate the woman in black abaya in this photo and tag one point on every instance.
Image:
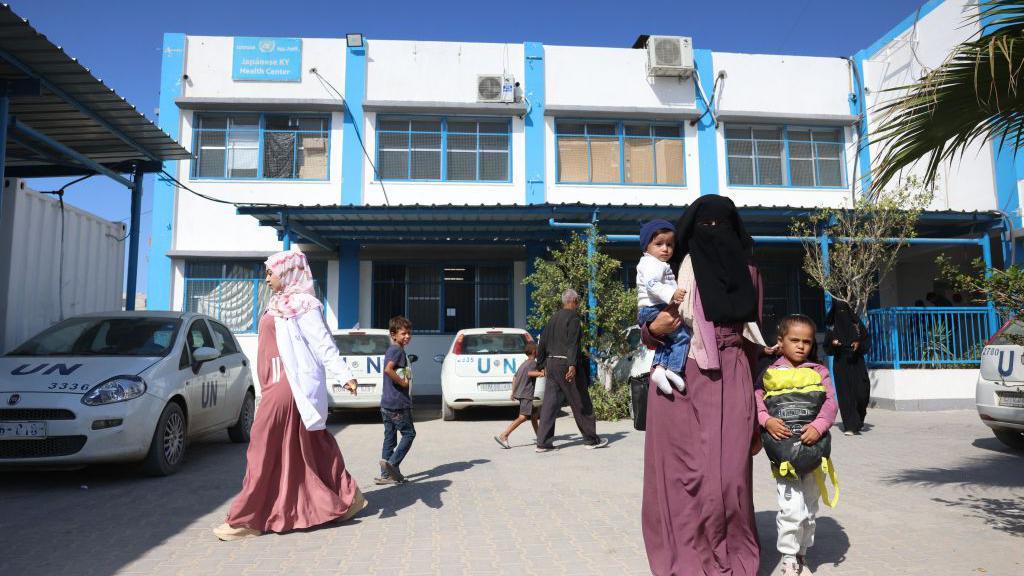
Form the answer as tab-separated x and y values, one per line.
847	343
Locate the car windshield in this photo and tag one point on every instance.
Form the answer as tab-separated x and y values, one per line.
362	344
103	337
493	344
1012	334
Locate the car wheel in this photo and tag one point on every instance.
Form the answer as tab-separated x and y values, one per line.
1012	438
447	412
240	431
167	449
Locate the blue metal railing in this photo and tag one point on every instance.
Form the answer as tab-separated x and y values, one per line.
931	337
235	302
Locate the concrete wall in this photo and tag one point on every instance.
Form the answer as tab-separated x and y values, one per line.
966	183
923	389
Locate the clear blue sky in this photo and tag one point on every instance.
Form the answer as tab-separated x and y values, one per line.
120	40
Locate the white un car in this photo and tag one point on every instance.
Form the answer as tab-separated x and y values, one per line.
363	351
1000	391
123	386
478	369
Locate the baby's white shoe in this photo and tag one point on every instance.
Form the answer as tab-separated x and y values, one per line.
660	380
676	380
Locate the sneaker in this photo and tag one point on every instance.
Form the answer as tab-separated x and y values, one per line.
393	472
384	480
790	569
848	433
599	444
226	532
540	449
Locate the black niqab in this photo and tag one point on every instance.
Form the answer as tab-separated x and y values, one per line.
720	255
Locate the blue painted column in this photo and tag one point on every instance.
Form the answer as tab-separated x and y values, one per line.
5	109
172	68
986	254
534	250
348	285
133	239
707	134
534	128
351	151
858	107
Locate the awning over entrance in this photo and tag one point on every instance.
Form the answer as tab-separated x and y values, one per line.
330	226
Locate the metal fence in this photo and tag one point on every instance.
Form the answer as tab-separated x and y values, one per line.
237	303
940	337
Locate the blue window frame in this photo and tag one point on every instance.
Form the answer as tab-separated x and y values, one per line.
437	148
442	298
785	156
620	152
247	146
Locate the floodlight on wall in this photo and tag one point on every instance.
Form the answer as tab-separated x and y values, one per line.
354	40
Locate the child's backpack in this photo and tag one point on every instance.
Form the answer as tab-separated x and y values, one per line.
795	396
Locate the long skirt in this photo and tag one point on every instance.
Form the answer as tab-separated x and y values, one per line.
294	478
853	388
698	507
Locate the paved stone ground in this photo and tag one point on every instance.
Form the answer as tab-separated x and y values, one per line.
922	493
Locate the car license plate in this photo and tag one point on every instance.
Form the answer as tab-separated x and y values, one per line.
367	386
13	430
494	386
1011	399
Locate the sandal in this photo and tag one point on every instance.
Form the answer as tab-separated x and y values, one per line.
503	443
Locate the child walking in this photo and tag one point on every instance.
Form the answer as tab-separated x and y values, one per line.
796	408
523	384
396	404
656	290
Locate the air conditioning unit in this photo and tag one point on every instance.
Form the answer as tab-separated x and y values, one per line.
495	88
670	56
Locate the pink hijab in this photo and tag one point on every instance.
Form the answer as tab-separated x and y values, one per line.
297	295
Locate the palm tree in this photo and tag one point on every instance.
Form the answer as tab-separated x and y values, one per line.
978	92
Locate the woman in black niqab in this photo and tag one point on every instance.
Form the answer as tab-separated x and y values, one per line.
847	342
712	233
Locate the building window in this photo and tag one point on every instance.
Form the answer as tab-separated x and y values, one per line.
261	146
635	153
235	292
444	149
442	298
785	156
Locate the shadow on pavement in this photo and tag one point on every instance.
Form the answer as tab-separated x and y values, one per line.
992	444
997	470
612	437
388	500
1003	514
98	519
830	543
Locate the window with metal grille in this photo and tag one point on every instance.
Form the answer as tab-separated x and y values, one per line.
235	292
442	298
785	156
261	146
444	149
629	152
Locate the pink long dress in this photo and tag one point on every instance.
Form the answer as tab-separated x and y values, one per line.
698	502
294	478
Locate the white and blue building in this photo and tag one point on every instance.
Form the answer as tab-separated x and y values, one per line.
414	189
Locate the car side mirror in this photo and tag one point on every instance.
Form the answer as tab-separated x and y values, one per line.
439	358
202	355
412	358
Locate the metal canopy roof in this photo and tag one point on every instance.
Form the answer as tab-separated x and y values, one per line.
52	94
328	226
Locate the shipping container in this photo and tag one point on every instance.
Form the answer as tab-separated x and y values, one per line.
54	263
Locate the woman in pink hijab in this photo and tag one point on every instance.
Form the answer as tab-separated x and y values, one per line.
295	475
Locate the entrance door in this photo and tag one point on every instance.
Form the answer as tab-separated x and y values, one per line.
459	298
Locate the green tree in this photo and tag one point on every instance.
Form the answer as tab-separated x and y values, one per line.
1005	288
977	93
570	267
857	259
